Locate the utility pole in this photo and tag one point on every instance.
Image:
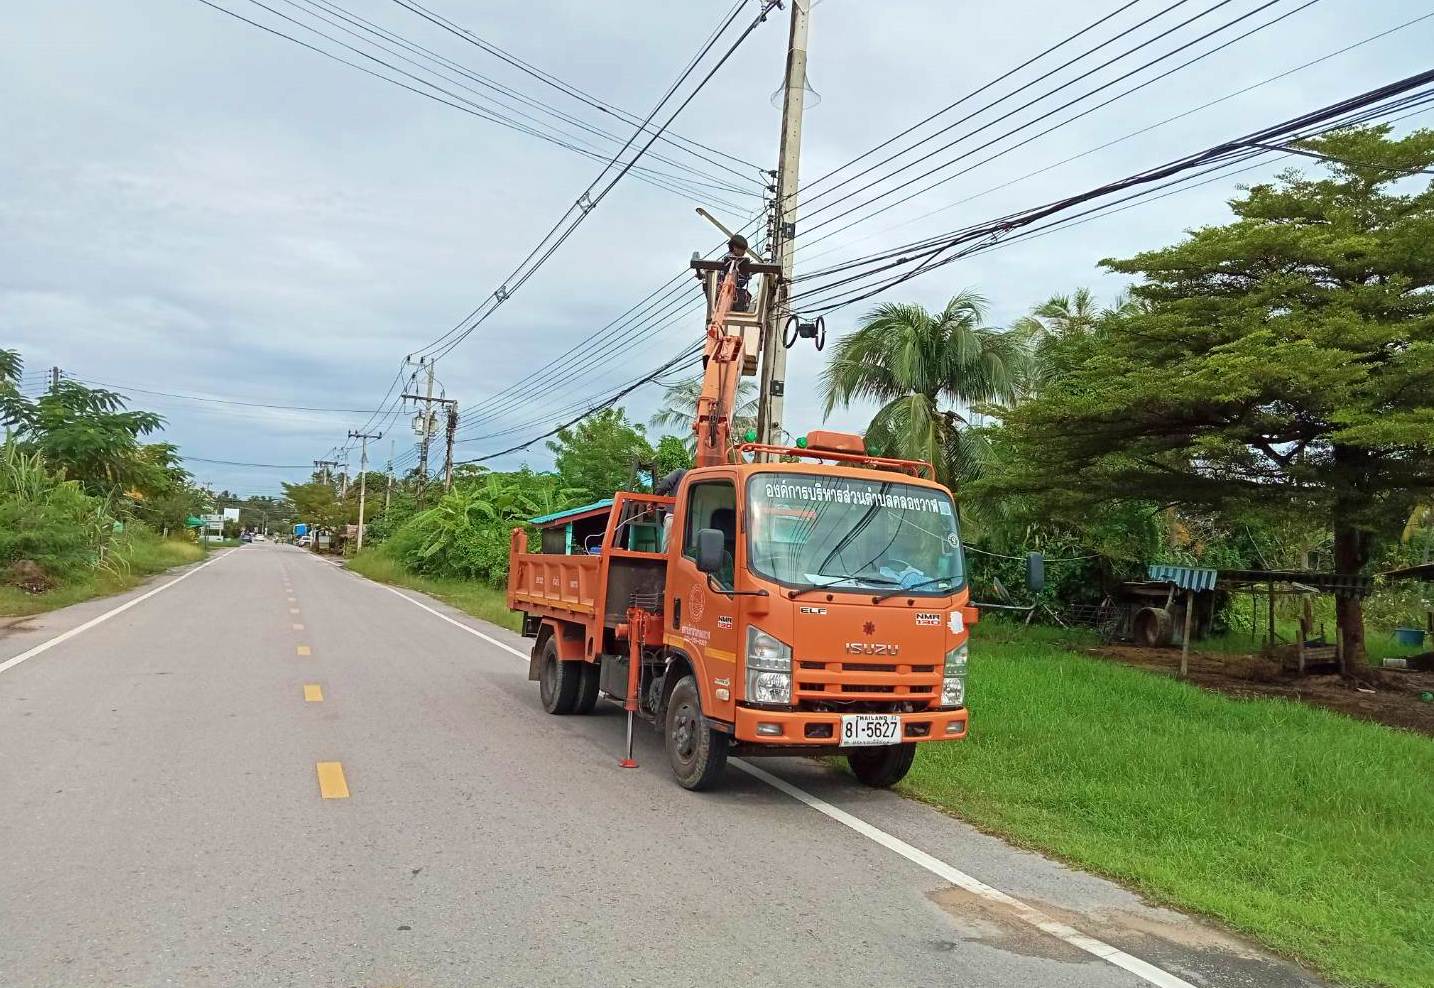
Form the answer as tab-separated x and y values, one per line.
425	435
363	437
388	489
784	229
54	379
322	468
448	455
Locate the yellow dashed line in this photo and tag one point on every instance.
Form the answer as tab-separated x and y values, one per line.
293	600
298	627
293	610
313	693
332	784
303	650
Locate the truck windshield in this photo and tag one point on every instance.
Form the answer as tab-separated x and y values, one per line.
806	530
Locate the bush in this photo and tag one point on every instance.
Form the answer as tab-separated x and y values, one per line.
49	521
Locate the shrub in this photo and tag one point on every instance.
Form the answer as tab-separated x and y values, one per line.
49	521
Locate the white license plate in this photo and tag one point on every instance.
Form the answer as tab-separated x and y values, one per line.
868	729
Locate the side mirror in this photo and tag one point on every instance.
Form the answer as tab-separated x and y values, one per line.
1035	571
710	550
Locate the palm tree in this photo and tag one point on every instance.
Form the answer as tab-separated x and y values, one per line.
922	366
679	410
1058	319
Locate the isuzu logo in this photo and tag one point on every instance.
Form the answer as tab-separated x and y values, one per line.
871	648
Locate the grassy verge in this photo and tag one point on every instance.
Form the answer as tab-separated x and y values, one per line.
473	598
142	556
1303	828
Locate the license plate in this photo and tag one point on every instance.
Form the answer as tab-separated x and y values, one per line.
869	729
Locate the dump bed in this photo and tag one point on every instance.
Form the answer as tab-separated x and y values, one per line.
550	584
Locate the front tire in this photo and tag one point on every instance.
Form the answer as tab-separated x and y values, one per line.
697	753
884	766
558	681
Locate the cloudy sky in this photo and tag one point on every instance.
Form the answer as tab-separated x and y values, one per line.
190	205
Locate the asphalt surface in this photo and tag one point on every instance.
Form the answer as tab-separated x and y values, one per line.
162	823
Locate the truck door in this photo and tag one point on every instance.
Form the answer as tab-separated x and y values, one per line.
705	619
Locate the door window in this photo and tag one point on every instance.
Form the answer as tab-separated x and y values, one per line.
713	505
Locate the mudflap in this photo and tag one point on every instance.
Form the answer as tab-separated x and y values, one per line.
534	662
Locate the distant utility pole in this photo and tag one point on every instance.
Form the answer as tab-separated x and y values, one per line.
54	379
322	470
784	230
425	432
364	437
388	489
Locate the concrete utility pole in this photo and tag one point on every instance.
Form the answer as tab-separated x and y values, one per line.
322	470
784	231
388	488
54	379
363	437
448	455
425	435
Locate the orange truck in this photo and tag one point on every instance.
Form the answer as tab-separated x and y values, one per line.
769	601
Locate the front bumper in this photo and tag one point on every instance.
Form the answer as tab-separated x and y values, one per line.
821	729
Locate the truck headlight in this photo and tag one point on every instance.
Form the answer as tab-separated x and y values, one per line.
769	668
953	682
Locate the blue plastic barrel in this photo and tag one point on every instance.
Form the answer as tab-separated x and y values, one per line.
1412	637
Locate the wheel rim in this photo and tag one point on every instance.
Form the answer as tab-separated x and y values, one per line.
684	733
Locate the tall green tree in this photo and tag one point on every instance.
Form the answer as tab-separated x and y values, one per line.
601	454
922	367
90	434
1056	320
1283	362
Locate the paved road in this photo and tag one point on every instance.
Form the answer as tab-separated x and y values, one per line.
162	823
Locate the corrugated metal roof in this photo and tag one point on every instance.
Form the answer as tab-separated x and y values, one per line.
1184	577
570	512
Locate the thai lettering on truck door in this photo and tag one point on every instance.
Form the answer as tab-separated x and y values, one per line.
705	619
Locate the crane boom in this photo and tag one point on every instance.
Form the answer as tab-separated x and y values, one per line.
721	372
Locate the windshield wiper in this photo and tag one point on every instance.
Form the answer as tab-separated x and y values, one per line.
879	580
924	583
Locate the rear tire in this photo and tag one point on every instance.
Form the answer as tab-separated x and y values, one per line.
587	688
558	681
697	753
884	766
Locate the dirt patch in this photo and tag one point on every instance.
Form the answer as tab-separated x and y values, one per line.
13	626
1394	701
1000	925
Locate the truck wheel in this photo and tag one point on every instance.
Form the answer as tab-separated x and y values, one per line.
587	688
697	753
883	766
558	681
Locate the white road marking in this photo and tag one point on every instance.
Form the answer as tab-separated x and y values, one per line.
457	624
948	873
65	636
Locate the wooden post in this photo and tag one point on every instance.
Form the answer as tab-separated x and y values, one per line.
1185	638
1271	628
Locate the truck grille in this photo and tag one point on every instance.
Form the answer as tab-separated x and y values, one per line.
846	682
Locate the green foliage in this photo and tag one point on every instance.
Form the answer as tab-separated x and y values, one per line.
317	503
1280	365
47	520
919	365
465	536
602	453
671	454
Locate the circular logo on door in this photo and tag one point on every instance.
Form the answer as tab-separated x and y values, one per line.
696	601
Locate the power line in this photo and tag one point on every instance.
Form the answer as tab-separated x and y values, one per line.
553	81
924	254
262	466
219	401
589	199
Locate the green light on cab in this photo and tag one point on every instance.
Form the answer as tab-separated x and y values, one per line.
801	442
750	435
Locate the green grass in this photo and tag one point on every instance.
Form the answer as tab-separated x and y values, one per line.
473	598
146	554
1311	832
